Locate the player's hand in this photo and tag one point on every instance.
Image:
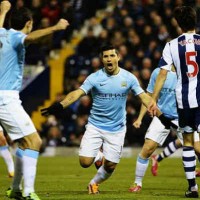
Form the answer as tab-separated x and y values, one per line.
137	123
5	6
62	24
152	108
54	109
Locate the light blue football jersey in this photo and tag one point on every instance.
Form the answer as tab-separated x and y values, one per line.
12	54
109	95
167	98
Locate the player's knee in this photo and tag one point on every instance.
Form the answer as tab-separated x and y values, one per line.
85	162
32	141
147	150
109	166
110	169
3	141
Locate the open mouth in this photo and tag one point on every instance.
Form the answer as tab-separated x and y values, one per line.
109	65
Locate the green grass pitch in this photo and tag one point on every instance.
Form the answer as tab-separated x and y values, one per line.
61	178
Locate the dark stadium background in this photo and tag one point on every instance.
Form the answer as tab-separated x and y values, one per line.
139	29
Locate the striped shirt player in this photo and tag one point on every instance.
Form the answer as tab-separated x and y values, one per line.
184	53
106	126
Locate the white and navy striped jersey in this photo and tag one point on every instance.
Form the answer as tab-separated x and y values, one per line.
184	53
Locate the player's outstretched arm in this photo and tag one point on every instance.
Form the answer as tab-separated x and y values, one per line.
58	107
4	8
36	35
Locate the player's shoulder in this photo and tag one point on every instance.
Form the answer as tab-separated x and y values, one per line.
95	75
126	73
156	71
15	32
3	30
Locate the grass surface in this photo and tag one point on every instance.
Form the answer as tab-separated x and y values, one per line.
61	178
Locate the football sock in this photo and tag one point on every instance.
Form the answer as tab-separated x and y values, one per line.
141	167
101	176
189	163
16	184
99	156
168	150
5	153
29	170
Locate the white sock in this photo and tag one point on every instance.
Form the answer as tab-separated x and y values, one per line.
5	153
29	170
99	156
141	167
100	176
16	184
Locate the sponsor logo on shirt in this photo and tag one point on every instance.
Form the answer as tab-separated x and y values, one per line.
113	96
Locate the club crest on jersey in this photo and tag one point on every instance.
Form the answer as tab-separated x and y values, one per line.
123	84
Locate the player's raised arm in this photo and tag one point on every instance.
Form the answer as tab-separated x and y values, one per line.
58	107
4	8
35	35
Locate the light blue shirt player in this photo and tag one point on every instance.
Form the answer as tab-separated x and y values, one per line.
109	93
12	63
167	98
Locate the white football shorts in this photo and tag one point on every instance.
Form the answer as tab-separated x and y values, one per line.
13	117
158	133
94	138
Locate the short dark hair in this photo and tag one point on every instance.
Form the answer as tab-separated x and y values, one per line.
106	48
19	17
186	17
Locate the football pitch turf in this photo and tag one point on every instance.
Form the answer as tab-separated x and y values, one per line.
61	178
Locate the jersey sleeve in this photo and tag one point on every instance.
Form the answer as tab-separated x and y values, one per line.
166	61
87	84
150	87
17	39
135	86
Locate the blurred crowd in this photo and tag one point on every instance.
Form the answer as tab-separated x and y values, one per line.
139	30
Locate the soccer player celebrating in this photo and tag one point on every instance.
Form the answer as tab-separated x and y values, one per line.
12	116
106	126
159	128
184	53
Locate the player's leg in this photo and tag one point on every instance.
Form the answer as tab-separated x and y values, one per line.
31	145
112	149
88	151
156	135
103	173
20	127
5	153
197	150
167	151
90	145
187	119
99	160
142	164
